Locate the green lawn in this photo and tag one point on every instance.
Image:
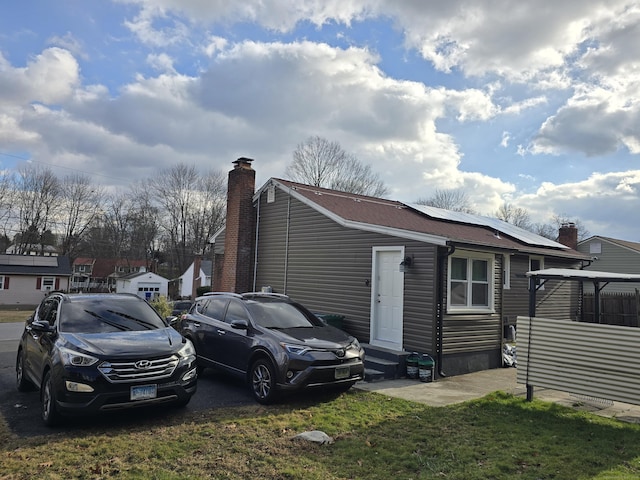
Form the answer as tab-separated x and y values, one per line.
376	437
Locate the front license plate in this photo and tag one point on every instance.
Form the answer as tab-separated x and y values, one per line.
144	392
342	372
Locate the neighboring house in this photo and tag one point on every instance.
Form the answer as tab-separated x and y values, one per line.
406	277
26	279
197	275
81	281
101	274
38	250
612	255
146	285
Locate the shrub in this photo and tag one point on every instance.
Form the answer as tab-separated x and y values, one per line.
162	306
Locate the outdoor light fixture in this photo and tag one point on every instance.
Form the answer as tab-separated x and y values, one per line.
405	264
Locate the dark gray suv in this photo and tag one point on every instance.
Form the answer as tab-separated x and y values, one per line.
277	345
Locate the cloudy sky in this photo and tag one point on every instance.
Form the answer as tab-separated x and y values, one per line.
534	103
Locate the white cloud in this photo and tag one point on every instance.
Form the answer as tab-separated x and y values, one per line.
49	78
161	62
600	200
557	78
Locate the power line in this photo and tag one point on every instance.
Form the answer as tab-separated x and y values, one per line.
29	160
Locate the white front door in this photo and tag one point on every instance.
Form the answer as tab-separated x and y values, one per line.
387	297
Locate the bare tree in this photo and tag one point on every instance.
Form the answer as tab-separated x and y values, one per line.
514	215
322	163
185	196
6	202
551	229
81	202
37	196
454	199
143	224
115	226
208	215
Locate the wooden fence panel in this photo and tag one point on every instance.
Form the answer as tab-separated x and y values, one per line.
615	308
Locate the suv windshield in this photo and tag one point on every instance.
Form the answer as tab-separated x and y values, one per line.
278	315
108	315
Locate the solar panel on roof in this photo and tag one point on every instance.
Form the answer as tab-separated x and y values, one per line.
521	234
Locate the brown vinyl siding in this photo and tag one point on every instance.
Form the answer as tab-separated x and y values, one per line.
328	268
559	299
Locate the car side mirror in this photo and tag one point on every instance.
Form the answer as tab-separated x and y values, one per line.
41	326
240	324
171	320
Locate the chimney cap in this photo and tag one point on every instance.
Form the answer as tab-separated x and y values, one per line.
243	162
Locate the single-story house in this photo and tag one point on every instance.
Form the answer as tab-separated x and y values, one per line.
27	279
612	255
33	249
198	274
146	285
405	277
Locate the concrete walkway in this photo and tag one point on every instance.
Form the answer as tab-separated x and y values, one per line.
451	390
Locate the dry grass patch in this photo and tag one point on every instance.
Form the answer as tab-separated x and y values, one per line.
376	437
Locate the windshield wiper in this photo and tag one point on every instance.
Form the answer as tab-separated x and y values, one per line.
152	326
108	322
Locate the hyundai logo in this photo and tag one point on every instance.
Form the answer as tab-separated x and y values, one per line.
143	364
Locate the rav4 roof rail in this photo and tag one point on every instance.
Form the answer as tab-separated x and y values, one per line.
207	294
264	294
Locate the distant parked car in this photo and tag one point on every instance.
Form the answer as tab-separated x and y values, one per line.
180	306
277	345
95	352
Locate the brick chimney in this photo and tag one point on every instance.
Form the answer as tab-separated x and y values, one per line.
240	228
568	235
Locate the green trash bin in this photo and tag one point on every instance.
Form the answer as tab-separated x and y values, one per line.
426	368
412	365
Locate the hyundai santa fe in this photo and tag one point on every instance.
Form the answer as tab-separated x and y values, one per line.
88	353
275	344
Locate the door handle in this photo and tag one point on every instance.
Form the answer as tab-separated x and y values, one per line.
222	332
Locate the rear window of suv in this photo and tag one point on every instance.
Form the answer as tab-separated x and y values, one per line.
104	315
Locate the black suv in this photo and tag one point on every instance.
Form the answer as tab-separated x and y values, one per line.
94	352
274	343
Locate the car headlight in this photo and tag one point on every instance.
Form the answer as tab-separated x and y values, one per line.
187	353
355	344
295	349
77	359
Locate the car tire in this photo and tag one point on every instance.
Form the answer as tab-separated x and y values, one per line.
50	414
262	381
22	383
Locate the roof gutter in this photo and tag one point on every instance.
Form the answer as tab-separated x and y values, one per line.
441	286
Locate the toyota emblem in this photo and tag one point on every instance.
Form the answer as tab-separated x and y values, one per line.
340	353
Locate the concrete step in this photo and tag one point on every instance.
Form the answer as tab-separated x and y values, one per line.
383	363
372	375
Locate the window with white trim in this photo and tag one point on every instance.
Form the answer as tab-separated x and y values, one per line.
48	283
470	282
1	282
